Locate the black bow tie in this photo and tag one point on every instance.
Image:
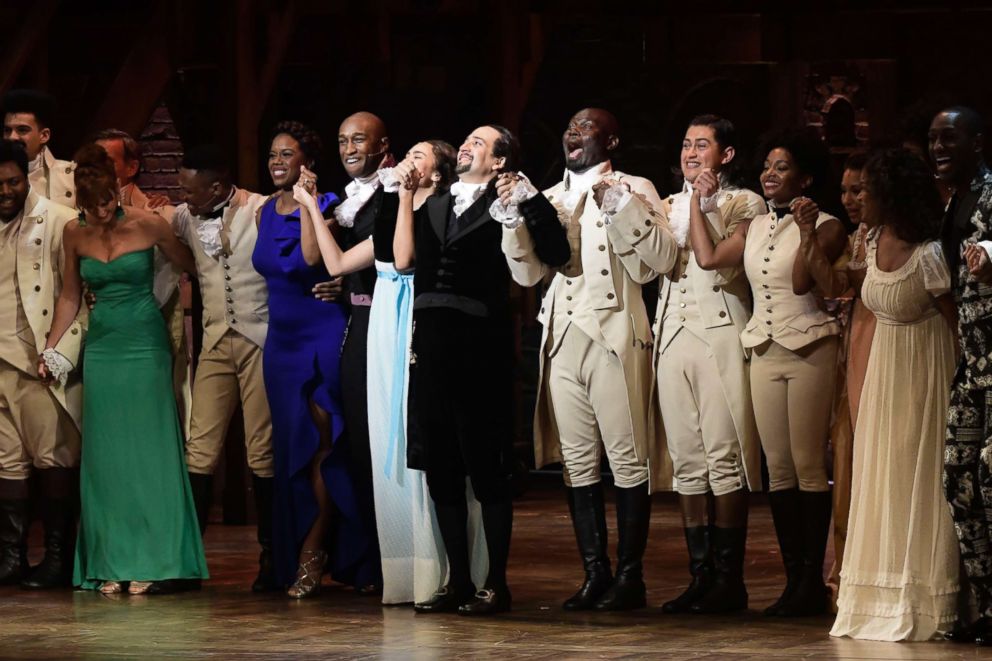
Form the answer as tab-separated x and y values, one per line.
215	213
781	212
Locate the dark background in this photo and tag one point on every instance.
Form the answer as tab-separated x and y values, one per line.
181	72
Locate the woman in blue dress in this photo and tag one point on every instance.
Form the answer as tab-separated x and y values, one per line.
301	372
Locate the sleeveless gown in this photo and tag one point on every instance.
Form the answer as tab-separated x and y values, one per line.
138	522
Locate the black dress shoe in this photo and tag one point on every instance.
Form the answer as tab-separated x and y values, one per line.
445	600
370	590
981	632
174	585
961	633
487	601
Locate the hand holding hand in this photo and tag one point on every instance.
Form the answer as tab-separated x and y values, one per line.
329	291
408	176
504	186
805	212
706	184
979	264
43	373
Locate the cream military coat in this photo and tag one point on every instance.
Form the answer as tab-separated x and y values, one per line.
614	271
55	179
40	262
723	298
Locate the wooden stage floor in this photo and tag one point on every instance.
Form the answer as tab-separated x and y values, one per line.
225	620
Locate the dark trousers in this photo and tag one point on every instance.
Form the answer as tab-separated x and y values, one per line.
968	485
354	401
462	407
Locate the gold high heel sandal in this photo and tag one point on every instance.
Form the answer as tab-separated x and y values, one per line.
111	587
308	575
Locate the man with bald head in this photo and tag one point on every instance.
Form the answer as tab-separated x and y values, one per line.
595	379
956	143
364	148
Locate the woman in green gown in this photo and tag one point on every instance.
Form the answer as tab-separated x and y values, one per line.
138	526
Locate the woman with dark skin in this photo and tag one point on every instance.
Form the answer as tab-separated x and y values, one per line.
301	363
794	350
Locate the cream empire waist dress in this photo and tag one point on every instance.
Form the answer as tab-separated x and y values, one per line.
900	569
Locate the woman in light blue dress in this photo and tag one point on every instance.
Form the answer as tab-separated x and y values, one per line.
413	560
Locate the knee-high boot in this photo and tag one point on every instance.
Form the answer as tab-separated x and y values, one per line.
633	523
589	520
787	516
811	596
13	540
58	514
266	579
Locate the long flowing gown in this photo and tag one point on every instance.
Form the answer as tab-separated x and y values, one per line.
413	557
900	571
301	366
138	521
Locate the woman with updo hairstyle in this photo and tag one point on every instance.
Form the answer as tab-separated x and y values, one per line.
138	529
900	571
301	370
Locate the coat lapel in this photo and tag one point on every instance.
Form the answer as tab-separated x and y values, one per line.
474	216
437	212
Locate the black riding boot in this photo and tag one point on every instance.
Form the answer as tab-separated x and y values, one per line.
811	596
633	523
787	516
727	593
13	540
266	579
697	539
58	513
589	520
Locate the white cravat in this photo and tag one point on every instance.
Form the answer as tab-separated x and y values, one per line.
678	217
578	183
357	193
466	194
208	229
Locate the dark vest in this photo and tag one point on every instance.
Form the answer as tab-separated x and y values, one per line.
460	263
380	204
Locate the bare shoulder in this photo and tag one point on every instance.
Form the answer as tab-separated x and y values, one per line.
146	220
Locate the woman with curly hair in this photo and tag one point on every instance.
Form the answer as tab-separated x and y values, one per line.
793	345
900	571
301	369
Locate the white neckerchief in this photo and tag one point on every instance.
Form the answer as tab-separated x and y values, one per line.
357	194
579	183
466	194
208	229
678	217
38	162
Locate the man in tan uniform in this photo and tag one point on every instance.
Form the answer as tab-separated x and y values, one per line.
39	424
217	222
126	154
596	349
28	116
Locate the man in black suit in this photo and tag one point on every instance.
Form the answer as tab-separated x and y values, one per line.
462	363
364	148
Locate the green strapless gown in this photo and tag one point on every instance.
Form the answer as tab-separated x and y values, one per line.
138	522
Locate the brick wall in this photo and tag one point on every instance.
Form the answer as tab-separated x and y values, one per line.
161	155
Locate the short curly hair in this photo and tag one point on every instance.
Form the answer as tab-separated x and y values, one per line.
902	186
310	143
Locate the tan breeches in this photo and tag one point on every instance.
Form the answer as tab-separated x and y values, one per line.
34	428
228	373
793	393
589	396
702	438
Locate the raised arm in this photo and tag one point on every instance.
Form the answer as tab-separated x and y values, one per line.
70	298
404	253
829	236
831	282
309	248
336	261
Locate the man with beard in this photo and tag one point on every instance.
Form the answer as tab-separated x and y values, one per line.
217	222
956	144
595	378
125	152
28	116
461	371
364	147
39	427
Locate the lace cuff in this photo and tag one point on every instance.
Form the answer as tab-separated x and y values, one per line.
390	182
709	204
57	364
509	215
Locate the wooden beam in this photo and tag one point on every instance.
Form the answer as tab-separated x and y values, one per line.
30	30
141	80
